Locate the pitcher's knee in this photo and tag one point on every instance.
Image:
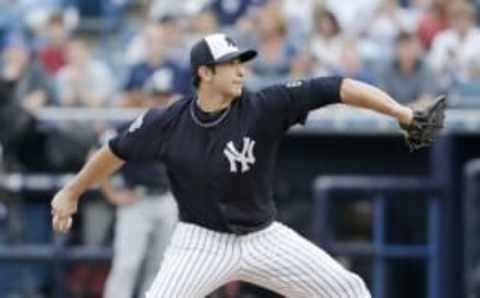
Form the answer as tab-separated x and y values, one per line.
348	285
356	287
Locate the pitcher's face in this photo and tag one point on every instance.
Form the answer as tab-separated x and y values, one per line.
228	78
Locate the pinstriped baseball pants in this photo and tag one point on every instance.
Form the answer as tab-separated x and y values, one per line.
199	260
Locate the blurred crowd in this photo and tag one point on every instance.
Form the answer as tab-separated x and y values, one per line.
135	53
412	48
116	53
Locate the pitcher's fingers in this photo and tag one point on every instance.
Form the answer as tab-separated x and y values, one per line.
60	213
61	224
65	224
55	223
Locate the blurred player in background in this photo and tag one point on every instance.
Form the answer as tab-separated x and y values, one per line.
146	210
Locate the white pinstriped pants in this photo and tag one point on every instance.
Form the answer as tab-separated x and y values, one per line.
199	260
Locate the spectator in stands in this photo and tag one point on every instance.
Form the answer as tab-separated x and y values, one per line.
229	12
206	22
146	212
156	57
31	14
381	27
469	91
186	8
84	81
408	77
351	63
433	21
10	13
454	51
24	88
273	63
22	146
416	8
351	14
159	89
32	87
299	15
200	25
52	53
172	40
15	127
327	42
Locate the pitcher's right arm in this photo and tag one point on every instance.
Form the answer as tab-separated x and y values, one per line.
98	168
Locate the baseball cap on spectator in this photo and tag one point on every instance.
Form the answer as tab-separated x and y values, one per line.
160	82
216	49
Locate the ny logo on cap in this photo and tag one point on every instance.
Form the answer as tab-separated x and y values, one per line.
220	45
230	42
244	158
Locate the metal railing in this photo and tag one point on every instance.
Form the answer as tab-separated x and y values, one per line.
57	253
377	189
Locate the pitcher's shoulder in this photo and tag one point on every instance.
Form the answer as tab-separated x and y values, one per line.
170	111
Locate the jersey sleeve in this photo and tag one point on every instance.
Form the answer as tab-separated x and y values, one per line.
291	102
143	139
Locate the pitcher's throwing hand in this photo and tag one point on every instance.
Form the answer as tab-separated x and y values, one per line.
64	205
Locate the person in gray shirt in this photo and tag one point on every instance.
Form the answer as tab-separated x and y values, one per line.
408	78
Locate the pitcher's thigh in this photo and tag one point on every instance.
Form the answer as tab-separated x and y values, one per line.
190	273
287	263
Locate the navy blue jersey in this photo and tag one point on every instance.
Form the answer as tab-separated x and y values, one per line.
221	170
149	174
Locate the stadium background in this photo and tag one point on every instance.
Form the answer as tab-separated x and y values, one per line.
406	222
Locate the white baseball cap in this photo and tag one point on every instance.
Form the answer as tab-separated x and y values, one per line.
218	48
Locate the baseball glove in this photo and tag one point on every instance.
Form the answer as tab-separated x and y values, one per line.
426	124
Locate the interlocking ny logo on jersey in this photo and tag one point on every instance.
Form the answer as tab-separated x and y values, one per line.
245	157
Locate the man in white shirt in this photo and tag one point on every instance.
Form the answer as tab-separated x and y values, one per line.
455	50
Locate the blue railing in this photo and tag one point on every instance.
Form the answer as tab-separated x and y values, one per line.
378	189
57	253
